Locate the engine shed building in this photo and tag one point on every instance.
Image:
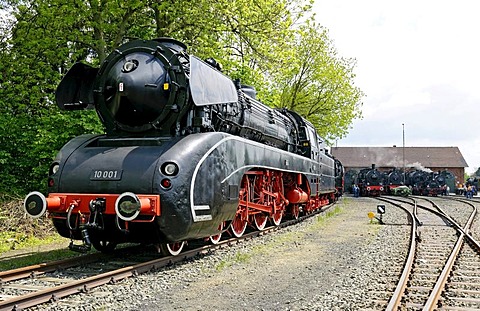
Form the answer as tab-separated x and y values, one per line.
387	158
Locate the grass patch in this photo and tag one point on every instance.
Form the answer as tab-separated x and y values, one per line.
239	257
31	250
321	220
14	241
19	232
36	258
286	238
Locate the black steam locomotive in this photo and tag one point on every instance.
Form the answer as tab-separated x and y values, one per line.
393	179
339	177
188	153
426	182
371	181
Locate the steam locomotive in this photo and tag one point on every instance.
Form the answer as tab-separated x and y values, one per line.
426	183
393	179
187	154
371	181
339	177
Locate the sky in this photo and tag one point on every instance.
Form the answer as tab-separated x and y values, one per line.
418	62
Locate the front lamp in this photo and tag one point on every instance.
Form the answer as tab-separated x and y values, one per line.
169	169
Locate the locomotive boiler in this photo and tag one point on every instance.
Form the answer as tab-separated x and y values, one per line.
393	179
426	182
371	181
435	184
417	180
187	154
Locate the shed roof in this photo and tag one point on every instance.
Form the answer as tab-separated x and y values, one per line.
438	157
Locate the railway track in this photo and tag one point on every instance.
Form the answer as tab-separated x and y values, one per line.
30	286
441	269
38	270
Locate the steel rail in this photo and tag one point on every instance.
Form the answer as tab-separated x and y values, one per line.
42	268
474	242
84	285
441	213
110	277
436	293
396	298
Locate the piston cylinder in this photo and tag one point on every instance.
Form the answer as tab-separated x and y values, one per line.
296	196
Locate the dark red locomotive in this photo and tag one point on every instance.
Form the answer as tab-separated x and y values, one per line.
187	154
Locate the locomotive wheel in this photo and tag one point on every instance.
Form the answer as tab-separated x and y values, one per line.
171	249
214	239
104	246
295	211
277	217
238	226
260	221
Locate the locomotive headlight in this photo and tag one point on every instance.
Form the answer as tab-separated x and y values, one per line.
169	169
130	65
54	168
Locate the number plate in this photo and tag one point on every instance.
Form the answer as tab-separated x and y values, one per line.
106	175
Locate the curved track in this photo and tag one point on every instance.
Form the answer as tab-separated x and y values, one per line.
439	272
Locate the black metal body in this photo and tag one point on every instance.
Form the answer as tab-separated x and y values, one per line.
395	178
371	181
161	106
339	177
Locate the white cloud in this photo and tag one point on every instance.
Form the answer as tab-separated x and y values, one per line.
418	63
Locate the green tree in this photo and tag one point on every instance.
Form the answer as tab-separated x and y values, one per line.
259	42
318	84
32	129
245	36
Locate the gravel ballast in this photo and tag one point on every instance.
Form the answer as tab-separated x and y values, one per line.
339	261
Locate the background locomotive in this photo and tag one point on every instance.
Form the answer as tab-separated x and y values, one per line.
393	179
187	154
339	178
426	183
350	180
371	181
